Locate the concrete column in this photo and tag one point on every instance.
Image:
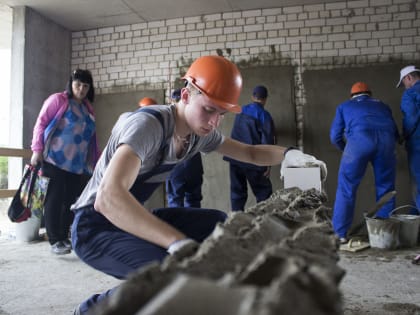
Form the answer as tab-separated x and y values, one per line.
41	51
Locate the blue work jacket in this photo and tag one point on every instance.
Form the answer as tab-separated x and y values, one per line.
361	113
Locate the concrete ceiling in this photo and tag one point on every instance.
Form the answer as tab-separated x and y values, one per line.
79	15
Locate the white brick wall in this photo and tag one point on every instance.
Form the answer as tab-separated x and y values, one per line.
123	58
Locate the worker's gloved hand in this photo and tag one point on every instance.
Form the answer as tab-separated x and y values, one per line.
183	248
296	158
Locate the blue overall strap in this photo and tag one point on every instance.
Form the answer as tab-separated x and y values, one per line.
159	117
140	189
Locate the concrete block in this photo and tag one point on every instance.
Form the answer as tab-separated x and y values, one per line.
303	178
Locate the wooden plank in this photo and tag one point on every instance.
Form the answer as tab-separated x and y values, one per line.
7	193
24	153
13	152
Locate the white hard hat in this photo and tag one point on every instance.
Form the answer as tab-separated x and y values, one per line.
406	70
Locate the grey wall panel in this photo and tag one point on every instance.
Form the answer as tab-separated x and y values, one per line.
216	186
108	107
279	82
325	89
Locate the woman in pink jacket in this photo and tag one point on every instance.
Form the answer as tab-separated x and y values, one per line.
64	142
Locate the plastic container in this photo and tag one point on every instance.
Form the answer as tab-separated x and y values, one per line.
28	231
383	233
409	227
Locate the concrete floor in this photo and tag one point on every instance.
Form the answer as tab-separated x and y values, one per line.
381	282
35	282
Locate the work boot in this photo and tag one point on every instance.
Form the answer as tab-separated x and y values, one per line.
59	248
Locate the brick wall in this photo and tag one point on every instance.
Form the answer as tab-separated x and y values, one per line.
349	33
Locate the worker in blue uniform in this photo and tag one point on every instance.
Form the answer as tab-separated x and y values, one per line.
410	107
183	186
253	126
365	131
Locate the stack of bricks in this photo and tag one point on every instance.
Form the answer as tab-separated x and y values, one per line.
278	257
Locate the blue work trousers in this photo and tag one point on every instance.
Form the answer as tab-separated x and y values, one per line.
377	148
413	156
183	186
239	176
107	248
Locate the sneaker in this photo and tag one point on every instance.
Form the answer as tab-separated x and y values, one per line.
67	244
59	248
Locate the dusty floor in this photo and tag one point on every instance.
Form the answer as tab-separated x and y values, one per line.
380	282
34	282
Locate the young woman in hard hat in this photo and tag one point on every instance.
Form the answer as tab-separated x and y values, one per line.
112	230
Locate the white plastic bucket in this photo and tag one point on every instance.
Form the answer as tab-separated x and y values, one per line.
383	233
28	231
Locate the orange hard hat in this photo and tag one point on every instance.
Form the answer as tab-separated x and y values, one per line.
359	87
146	101
217	78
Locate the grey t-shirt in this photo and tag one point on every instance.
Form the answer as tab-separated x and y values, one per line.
144	134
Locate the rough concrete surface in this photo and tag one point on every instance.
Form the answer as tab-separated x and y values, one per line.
35	282
381	282
281	251
292	275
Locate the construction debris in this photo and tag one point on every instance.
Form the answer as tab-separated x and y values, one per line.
278	257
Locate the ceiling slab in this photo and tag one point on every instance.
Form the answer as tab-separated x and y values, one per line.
78	15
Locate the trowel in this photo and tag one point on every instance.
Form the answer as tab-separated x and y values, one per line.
371	213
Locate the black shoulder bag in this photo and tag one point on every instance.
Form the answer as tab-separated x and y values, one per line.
19	210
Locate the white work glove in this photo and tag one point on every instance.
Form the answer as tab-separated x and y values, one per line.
179	250
296	158
183	248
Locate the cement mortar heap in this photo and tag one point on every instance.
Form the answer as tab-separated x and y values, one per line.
278	257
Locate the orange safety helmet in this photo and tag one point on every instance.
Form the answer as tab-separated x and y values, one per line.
217	78
359	87
146	101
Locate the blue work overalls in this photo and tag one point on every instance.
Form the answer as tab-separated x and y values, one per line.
364	129
410	106
183	185
253	126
